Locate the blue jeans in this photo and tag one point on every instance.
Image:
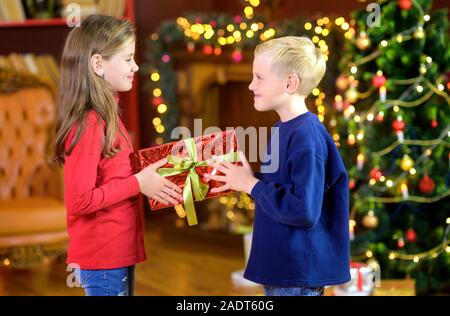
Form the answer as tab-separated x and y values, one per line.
109	282
293	291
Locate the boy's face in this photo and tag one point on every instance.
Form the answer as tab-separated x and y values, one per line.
120	69
268	87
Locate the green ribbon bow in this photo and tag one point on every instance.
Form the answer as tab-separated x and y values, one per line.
192	183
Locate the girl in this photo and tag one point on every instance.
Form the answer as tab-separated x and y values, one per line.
101	189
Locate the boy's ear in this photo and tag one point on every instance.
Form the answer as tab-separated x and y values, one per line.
97	65
293	83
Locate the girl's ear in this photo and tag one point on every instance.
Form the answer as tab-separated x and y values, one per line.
97	65
293	83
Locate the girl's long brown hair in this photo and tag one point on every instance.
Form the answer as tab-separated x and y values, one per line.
81	90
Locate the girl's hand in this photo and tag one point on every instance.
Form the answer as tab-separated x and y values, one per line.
152	185
235	177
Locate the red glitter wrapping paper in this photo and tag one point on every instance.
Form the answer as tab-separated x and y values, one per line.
207	146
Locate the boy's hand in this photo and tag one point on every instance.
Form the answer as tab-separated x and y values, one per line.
235	177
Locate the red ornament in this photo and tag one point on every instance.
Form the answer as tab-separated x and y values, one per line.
190	47
342	82
380	117
378	81
400	243
218	51
337	105
238	19
208	50
434	123
405	4
237	56
376	174
411	235
198	20
213	23
351	184
157	101
398	125
426	185
165	58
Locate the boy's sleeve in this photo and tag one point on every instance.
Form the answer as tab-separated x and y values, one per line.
81	195
299	202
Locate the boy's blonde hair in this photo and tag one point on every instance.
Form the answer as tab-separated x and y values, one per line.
296	55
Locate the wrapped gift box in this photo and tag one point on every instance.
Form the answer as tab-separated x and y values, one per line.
393	287
188	162
364	279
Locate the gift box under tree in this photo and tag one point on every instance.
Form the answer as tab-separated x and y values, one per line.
188	163
364	278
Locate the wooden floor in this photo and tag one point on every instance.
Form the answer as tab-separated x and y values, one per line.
181	261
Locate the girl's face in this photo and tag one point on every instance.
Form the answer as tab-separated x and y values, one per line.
119	70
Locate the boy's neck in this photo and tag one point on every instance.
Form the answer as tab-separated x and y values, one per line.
294	107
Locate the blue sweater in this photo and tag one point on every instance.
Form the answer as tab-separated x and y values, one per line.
301	228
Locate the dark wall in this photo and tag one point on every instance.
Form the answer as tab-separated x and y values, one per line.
42	40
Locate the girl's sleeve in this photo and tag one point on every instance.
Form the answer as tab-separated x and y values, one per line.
81	195
299	202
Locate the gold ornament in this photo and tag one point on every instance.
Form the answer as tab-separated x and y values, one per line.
363	41
351	95
407	163
370	220
342	82
419	33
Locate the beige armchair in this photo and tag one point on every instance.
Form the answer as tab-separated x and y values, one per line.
32	212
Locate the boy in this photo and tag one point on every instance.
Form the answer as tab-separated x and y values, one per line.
301	229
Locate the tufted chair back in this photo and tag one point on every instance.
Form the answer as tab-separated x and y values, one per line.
27	115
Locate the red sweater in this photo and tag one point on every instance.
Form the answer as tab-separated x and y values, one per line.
101	197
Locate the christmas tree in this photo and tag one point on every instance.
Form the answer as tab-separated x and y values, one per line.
392	128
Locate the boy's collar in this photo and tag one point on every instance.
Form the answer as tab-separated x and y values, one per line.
294	120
